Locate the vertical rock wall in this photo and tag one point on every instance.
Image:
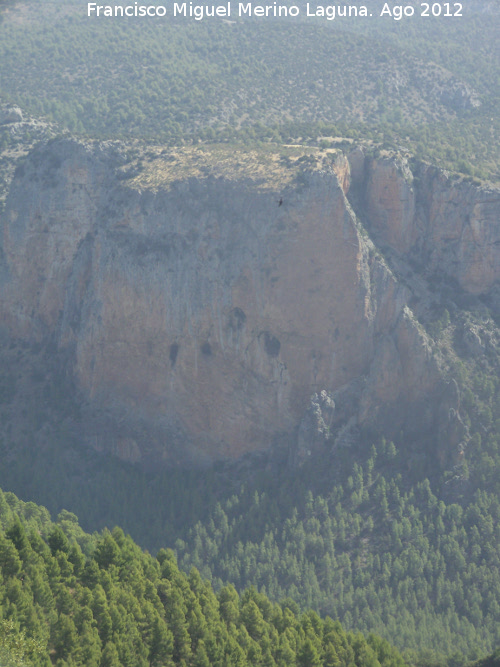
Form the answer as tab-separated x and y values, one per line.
199	320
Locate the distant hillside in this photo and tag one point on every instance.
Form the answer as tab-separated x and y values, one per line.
430	85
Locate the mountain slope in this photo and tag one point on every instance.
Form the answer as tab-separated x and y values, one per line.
112	604
396	538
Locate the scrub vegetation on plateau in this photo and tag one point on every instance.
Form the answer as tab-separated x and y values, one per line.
428	86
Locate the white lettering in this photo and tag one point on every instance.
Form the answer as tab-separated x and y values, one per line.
267	10
198	11
331	11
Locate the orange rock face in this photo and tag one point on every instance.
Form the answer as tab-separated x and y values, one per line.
451	226
201	319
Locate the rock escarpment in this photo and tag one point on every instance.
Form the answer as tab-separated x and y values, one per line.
198	320
446	226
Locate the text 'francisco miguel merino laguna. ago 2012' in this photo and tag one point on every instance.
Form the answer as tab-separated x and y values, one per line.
248	9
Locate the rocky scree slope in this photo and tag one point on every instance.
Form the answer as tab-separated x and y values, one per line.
197	320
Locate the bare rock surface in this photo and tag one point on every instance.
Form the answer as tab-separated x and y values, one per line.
449	225
198	320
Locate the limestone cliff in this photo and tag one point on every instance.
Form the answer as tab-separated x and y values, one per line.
448	225
198	319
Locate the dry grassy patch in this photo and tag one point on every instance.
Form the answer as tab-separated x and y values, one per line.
269	169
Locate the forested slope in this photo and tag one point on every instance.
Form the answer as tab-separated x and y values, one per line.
371	551
68	598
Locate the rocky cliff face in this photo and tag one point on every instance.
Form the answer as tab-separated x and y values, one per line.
198	320
448	226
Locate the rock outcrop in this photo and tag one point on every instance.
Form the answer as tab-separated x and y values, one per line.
11	115
453	434
315	427
448	226
198	320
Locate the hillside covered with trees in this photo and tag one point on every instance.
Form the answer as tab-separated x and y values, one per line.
429	85
68	598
